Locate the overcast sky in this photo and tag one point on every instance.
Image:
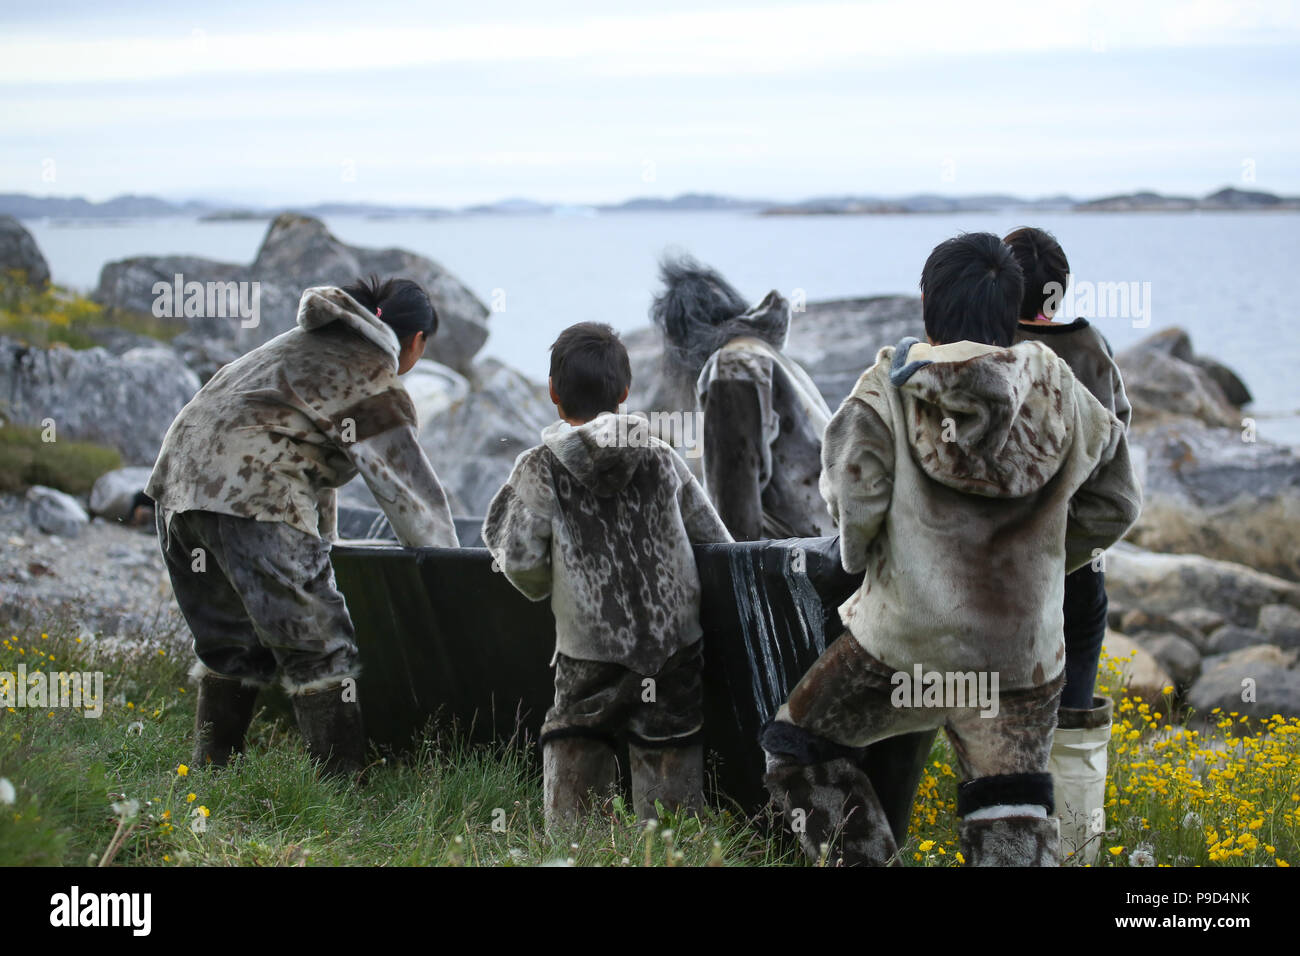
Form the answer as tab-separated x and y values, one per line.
575	101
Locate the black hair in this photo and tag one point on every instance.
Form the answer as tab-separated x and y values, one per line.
1043	262
972	287
400	303
589	370
699	312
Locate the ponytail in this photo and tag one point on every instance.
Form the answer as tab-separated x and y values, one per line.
399	303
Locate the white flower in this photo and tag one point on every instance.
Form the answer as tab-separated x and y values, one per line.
135	727
1191	820
7	793
1142	856
126	809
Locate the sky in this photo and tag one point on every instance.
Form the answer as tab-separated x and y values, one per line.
448	104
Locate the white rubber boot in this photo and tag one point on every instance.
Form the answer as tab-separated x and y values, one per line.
1078	769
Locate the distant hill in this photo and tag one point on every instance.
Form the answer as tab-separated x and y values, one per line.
22	206
1226	199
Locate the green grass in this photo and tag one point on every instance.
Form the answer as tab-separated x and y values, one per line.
57	316
448	803
71	466
1222	798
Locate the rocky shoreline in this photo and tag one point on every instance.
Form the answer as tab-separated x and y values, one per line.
1204	593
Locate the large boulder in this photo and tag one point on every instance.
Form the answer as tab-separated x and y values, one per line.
125	402
1216	492
1167	583
20	254
472	429
54	512
299	252
473	443
1165	379
1256	682
1143	676
113	495
837	340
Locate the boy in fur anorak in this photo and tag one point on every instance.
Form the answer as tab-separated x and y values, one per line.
966	477
600	517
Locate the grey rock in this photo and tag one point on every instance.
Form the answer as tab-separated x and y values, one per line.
1165	583
1198	620
125	402
1161	387
299	252
19	253
1206	491
1267	673
54	512
474	442
204	354
1234	389
114	491
1140	620
1231	638
296	253
1177	655
1281	622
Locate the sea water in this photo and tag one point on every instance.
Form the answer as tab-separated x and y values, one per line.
1224	277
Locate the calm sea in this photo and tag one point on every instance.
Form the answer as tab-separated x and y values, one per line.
1220	276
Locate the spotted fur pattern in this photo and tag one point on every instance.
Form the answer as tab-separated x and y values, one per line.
1011	841
274	433
601	517
965	481
778	456
832	804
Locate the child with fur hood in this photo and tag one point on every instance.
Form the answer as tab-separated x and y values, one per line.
966	476
245	492
601	517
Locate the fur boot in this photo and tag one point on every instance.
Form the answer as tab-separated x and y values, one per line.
672	775
224	711
833	804
332	729
1011	841
1078	768
573	769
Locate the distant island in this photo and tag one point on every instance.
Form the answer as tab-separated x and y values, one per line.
1228	199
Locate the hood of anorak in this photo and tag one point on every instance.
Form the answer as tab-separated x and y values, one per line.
602	454
324	305
982	419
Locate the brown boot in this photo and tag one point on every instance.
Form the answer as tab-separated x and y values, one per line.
673	776
332	729
573	769
224	711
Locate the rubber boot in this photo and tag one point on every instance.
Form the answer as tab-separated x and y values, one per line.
573	769
832	804
1011	841
332	728
1078	768
223	713
672	775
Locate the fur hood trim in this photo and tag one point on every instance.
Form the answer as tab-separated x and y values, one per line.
323	305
